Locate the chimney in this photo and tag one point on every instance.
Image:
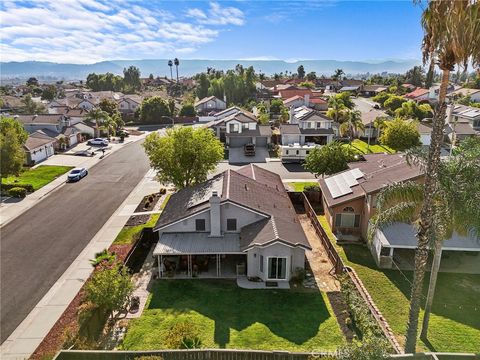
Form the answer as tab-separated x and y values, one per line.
215	216
306	99
290	120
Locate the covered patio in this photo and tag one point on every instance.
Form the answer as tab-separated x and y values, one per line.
197	255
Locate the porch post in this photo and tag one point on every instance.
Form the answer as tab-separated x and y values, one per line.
189	261
391	252
159	258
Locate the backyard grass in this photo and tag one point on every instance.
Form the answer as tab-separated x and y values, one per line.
362	147
226	316
129	234
299	186
455	320
39	176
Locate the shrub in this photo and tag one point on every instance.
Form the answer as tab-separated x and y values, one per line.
17	192
102	256
147	204
298	275
163	191
151	198
312	188
28	187
183	335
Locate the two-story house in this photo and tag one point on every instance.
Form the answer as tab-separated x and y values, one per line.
462	122
239	224
209	104
242	128
129	104
306	129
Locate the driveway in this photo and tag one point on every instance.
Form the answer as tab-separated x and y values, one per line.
236	156
38	246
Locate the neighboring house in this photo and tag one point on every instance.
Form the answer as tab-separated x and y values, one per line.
434	91
218	124
129	104
38	147
409	87
239	224
349	197
210	104
91	99
307	129
11	103
355	89
462	121
372	90
474	94
295	101
368	120
425	131
242	128
297	97
418	95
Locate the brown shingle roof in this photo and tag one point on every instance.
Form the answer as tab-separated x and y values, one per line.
36	140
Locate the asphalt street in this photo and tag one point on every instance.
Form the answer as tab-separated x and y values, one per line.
38	246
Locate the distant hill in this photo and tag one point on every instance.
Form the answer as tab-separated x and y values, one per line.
9	70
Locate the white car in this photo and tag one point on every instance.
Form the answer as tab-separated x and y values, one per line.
76	174
98	141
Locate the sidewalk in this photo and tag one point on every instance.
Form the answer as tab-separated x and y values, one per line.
29	334
10	208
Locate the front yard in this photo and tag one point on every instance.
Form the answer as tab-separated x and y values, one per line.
38	177
455	320
362	147
226	316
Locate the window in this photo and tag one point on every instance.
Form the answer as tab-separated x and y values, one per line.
277	268
347	220
385	251
231	224
261	263
200	224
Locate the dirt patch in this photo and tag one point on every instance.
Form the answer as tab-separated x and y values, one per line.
135	220
341	313
318	259
148	202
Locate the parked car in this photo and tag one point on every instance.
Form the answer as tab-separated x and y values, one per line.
76	174
98	141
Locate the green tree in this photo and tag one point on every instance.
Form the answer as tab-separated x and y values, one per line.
12	138
393	103
346	99
32	81
337	75
368	349
188	110
451	37
108	105
276	106
400	134
381	98
311	76
31	107
301	72
98	116
329	159
185	156
49	93
203	85
353	125
264	119
411	110
131	78
336	109
415	76
216	88
110	288
153	109
307	84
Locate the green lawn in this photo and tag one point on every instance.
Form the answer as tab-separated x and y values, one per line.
39	176
455	320
298	186
362	147
226	316
129	234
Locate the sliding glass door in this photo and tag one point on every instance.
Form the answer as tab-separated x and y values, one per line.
277	268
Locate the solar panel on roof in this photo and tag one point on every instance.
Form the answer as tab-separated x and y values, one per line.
341	184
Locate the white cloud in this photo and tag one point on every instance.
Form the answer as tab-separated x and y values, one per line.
218	15
86	31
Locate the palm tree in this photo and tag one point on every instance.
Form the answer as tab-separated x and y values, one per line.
379	124
338	74
336	109
353	126
451	33
170	63
98	116
453	211
176	62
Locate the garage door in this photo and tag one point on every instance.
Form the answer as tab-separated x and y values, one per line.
261	141
240	141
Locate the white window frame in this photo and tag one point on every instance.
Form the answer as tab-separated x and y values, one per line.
268	267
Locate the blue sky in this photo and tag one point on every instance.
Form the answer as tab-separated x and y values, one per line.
87	31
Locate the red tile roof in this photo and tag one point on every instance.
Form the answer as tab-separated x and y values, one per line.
416	93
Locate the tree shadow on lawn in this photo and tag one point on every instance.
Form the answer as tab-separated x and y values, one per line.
294	316
456	295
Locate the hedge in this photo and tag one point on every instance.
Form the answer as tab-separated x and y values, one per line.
27	187
18	192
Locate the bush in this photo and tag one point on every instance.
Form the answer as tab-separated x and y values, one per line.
163	191
183	335
17	192
27	187
298	275
102	256
151	198
147	204
315	188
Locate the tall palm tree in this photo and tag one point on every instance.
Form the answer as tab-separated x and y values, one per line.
98	116
170	63
353	126
336	109
176	62
402	202
451	31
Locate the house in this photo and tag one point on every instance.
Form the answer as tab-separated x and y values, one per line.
242	128
306	129
90	99
474	94
38	147
351	89
368	120
295	101
129	104
349	197
425	131
409	87
418	95
238	224
372	90
462	121
210	104
218	124
434	91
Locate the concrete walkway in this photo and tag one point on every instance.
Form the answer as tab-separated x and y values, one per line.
29	334
10	208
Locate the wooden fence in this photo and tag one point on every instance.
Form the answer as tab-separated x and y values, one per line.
196	354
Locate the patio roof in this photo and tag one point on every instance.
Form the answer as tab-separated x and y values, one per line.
403	236
197	243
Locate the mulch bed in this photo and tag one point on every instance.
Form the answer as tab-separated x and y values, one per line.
135	220
341	313
151	204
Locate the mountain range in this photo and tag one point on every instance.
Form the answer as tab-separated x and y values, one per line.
159	67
